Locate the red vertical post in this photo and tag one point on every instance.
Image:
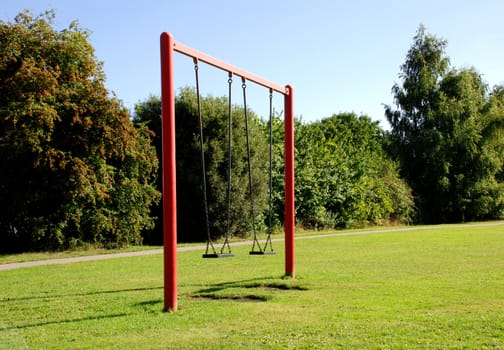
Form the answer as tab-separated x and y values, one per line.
169	173
289	223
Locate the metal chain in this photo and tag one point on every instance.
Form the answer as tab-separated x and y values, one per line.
203	167
230	134
270	213
249	162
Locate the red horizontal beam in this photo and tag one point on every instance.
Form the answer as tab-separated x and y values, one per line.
200	56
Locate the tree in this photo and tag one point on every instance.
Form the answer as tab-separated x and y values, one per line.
343	176
147	114
191	218
439	136
73	168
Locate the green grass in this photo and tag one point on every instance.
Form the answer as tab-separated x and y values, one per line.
91	250
435	288
82	251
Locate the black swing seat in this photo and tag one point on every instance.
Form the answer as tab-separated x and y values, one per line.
218	255
262	252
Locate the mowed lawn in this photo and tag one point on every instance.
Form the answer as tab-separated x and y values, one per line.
429	288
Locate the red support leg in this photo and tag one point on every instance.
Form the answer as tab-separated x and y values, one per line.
289	224
169	174
168	46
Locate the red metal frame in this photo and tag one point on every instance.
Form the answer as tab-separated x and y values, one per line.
169	174
168	46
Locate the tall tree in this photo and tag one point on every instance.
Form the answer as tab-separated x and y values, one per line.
73	168
343	176
438	134
148	114
191	216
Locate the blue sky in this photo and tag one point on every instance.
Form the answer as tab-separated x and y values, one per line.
340	56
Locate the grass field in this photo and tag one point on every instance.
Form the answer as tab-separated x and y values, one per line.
431	288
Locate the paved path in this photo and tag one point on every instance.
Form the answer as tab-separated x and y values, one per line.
4	267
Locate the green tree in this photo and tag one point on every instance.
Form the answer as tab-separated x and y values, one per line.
439	136
73	168
191	218
147	114
278	166
343	176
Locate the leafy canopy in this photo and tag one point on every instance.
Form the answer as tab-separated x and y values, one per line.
447	135
343	176
73	168
191	219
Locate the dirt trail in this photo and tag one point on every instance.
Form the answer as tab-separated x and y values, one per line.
12	266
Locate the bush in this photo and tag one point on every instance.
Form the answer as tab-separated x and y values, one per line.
72	166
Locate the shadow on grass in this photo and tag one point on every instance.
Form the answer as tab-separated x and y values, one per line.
75	320
242	298
240	290
82	319
149	303
69	295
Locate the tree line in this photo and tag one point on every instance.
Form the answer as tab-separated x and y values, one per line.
76	167
344	177
448	136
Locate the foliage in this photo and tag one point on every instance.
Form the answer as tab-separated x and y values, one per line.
447	135
277	165
148	115
73	168
191	217
343	176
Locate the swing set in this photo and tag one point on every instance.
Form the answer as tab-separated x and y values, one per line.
168	47
225	251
